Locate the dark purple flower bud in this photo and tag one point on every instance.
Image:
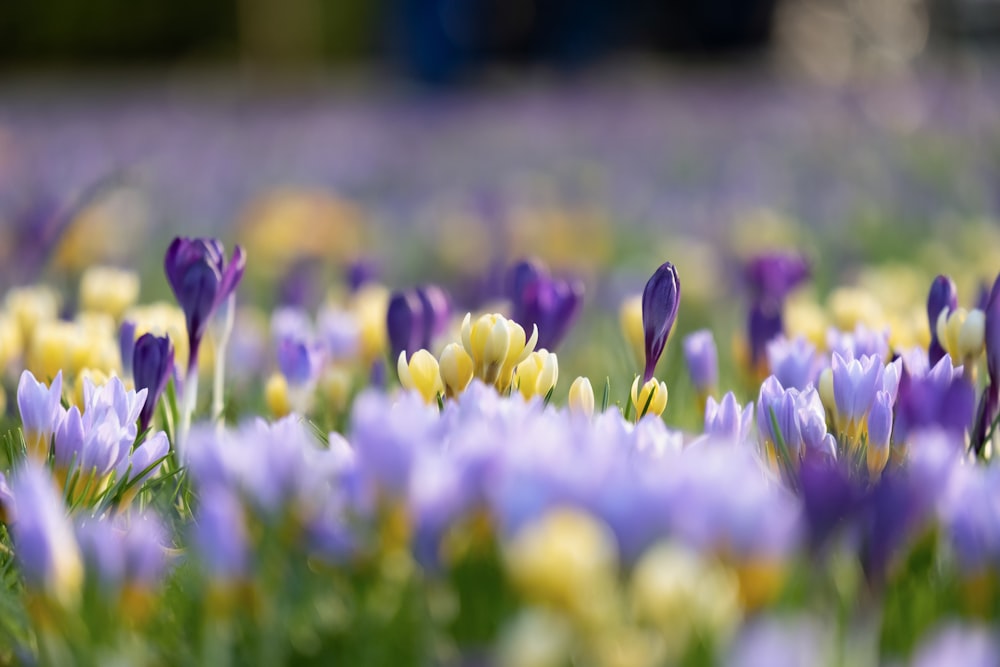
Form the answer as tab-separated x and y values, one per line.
660	300
436	313
126	345
992	333
152	365
763	325
360	272
539	300
201	280
772	276
405	322
943	295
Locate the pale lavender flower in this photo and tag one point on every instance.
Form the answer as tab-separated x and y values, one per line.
219	534
726	419
862	342
702	360
40	409
794	362
854	385
44	544
953	644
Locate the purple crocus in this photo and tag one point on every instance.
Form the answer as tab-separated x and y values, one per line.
989	402
220	534
702	359
727	419
953	644
152	368
201	280
770	277
299	359
40	410
936	399
793	362
46	549
415	317
854	385
660	300
541	300
943	295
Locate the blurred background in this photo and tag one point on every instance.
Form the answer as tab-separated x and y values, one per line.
444	138
443	41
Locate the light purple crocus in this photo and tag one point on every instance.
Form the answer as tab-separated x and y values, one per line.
40	410
219	535
794	362
702	359
202	280
953	644
300	360
44	544
859	343
727	419
854	385
661	299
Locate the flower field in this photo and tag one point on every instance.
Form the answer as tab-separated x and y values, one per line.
616	374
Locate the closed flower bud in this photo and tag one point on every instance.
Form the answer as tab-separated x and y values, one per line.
455	366
661	299
421	374
537	374
641	396
581	396
879	432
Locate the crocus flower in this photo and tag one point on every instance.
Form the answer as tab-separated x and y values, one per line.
879	432
702	359
660	300
727	419
220	535
299	360
201	280
854	385
415	317
793	362
989	402
969	646
943	296
934	399
152	368
46	549
539	299
770	277
40	410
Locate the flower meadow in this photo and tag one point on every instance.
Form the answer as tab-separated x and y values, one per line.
718	387
407	482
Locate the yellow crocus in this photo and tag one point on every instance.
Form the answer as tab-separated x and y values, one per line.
456	369
640	396
581	396
421	374
538	374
